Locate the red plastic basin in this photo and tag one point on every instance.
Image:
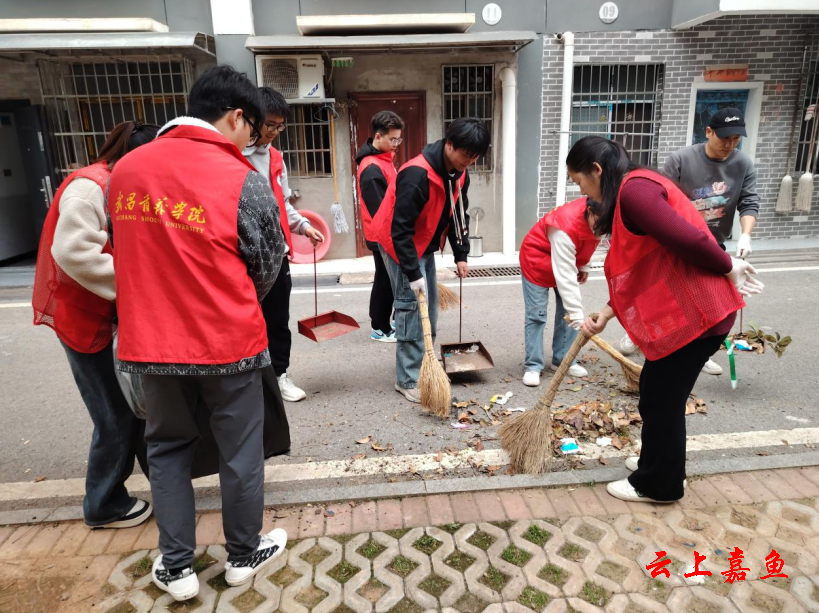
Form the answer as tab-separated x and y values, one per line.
303	248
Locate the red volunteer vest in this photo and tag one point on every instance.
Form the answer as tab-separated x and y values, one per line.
427	221
81	319
663	301
536	252
183	292
276	166
385	161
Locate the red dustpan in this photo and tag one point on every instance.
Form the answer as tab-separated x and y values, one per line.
324	326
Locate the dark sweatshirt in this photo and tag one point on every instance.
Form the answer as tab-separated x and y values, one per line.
411	196
372	183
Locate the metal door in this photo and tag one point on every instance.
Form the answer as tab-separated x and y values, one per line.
35	148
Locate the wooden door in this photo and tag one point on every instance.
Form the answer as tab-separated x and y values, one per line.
411	107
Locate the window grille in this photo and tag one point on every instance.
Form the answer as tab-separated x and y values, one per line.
811	96
469	91
621	102
86	98
305	144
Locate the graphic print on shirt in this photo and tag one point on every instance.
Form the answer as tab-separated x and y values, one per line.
711	202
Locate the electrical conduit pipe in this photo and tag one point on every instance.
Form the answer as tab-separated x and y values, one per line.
509	84
567	38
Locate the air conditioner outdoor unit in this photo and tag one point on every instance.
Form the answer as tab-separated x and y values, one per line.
296	77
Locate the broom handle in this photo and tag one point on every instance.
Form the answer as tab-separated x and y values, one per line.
619	357
795	115
315	284
425	325
460	307
545	401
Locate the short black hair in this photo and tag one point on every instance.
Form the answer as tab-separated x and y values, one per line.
274	102
469	134
384	121
223	87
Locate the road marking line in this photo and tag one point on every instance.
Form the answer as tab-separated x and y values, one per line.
335	469
514	281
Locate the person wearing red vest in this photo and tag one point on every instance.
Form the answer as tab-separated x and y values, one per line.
672	288
425	205
555	255
197	246
74	294
268	162
376	170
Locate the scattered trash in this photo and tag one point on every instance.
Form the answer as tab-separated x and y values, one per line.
742	345
364	440
695	405
603	441
38	479
329	513
501	400
569	446
459	425
379	447
515	410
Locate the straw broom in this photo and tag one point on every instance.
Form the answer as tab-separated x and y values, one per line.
784	200
527	437
447	299
804	191
436	395
631	371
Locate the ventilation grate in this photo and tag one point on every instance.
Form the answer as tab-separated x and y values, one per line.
282	74
494	271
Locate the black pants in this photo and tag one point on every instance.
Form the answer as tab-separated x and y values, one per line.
664	388
117	437
236	406
381	297
276	311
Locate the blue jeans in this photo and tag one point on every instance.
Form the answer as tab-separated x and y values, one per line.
117	437
536	301
409	348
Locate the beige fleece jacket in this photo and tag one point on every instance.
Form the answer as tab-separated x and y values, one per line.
80	236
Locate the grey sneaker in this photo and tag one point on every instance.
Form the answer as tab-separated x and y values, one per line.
411	394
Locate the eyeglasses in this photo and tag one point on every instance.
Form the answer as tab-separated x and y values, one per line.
254	130
396	141
275	128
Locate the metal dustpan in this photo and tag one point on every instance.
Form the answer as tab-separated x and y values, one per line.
464	356
327	325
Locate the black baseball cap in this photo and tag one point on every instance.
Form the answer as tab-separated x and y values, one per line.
727	122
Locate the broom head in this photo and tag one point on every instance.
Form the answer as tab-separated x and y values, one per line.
447	299
804	193
784	201
433	383
527	438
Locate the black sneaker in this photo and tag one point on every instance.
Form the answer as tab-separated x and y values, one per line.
138	514
270	547
184	585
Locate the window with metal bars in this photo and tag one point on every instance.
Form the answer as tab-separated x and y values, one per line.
469	91
807	129
86	99
621	102
305	144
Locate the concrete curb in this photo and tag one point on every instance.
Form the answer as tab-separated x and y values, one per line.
330	494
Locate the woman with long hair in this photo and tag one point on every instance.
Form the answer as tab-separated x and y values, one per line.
673	289
74	294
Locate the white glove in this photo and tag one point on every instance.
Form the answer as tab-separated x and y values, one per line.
576	321
419	286
740	276
744	246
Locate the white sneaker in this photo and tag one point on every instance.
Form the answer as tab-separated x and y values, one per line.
182	586
412	394
634	461
379	336
138	514
627	346
575	370
624	491
712	368
531	378
271	546
289	391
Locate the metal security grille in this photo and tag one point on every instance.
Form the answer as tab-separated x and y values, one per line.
811	96
494	271
469	91
620	102
86	98
305	144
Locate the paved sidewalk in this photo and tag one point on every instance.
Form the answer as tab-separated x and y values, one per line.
555	550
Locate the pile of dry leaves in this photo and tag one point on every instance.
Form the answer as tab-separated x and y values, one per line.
588	420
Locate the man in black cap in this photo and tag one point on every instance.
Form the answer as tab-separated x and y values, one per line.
720	180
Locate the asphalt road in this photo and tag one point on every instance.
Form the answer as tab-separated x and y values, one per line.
45	428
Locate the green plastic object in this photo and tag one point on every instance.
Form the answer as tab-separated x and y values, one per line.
732	362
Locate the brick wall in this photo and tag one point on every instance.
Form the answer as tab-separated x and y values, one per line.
19	81
770	45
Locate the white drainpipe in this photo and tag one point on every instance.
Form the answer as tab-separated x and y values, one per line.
509	83
567	38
